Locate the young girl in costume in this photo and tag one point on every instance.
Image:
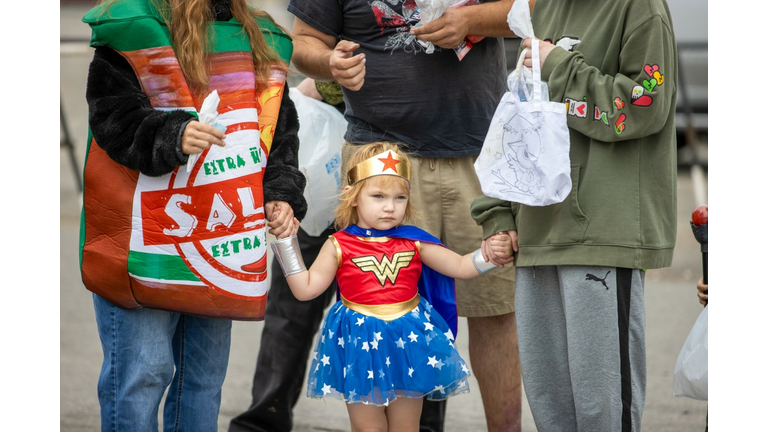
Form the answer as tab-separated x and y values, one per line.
386	343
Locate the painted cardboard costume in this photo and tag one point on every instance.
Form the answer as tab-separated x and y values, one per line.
154	235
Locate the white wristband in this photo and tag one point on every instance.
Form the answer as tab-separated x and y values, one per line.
480	264
288	254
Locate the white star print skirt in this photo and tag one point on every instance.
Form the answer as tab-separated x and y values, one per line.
363	359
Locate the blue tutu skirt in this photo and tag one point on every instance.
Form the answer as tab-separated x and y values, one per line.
363	359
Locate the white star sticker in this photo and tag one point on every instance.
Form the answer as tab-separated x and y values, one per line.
426	315
374	344
429	307
441	388
388	363
428	338
370	374
428	326
360	321
325	360
381	373
449	334
413	337
432	361
326	389
464	368
410	372
400	343
377	336
330	334
341	342
352	395
440	364
314	355
365	346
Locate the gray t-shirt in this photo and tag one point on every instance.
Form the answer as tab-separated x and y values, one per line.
435	104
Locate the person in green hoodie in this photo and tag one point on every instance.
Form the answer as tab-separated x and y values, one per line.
580	264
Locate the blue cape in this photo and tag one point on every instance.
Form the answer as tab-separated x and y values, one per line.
439	290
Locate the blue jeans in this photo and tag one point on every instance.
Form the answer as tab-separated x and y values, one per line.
145	351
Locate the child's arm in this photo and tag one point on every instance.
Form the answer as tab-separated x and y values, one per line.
306	284
449	263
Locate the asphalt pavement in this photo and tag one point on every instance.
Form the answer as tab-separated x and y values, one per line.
671	304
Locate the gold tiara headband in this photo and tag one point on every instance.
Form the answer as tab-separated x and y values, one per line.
385	163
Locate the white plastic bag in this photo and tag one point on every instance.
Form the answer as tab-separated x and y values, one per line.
691	377
321	135
430	10
526	154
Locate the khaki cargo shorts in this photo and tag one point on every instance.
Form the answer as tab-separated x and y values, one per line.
442	190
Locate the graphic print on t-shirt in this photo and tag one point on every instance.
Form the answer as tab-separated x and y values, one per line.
390	20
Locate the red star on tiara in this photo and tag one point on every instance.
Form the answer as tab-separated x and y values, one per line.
389	162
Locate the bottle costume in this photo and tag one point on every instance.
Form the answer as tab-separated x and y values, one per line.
391	333
155	235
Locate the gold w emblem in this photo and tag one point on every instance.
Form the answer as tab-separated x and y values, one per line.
386	268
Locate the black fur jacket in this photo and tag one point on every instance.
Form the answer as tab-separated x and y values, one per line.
134	134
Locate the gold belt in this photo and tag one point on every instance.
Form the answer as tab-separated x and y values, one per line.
386	312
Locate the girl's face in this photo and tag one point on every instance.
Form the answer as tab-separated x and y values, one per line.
380	207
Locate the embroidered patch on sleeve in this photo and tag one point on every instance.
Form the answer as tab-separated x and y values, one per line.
600	115
619	125
640	99
576	108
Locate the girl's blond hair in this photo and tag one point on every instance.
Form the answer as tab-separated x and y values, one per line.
188	21
346	212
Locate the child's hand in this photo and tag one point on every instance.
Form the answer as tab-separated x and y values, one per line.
703	291
499	247
280	219
199	136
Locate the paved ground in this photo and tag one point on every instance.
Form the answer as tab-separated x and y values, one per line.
670	303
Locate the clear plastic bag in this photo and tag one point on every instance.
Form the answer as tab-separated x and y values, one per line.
691	376
321	136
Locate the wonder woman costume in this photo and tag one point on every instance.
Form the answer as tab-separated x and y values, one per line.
382	339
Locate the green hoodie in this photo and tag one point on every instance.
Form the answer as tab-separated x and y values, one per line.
620	85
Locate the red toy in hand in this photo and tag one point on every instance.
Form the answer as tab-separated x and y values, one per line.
699	220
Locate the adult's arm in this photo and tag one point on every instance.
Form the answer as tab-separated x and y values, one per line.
647	72
319	56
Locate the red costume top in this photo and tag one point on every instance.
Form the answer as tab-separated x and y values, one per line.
377	270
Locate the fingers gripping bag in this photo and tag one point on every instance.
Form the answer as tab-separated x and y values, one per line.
526	153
